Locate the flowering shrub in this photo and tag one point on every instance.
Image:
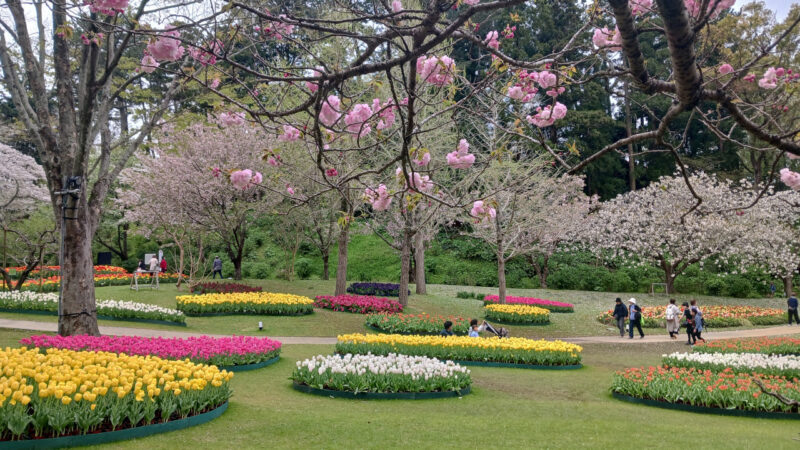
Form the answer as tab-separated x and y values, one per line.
385	289
517	314
60	392
726	389
416	323
463	348
787	365
116	309
772	346
389	373
359	304
716	316
246	303
224	351
551	305
222	288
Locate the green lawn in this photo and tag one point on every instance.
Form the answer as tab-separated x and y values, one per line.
510	408
440	300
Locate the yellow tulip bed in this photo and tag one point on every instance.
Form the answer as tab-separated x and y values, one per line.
463	348
266	303
52	393
516	313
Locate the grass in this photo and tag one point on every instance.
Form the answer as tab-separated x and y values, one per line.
508	408
440	300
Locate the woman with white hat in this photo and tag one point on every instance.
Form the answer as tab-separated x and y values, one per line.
634	318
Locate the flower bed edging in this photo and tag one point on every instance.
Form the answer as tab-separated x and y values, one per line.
118	435
254	366
519	324
380	395
517	366
373	328
706	409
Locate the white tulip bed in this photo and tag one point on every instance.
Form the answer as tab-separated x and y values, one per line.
35	301
381	374
787	365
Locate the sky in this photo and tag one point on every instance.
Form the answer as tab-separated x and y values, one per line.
781	7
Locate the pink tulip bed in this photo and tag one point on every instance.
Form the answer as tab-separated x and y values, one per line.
225	351
359	304
553	306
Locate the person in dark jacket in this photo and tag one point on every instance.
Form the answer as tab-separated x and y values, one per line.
634	318
142	266
792	304
448	329
620	313
687	314
216	267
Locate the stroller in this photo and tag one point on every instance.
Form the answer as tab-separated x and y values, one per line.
500	332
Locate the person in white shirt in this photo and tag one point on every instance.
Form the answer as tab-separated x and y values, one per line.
673	316
154	264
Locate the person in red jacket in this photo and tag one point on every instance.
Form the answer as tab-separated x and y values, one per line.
163	265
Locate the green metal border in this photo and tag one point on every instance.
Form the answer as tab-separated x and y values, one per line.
706	409
244	314
399	332
521	324
531	304
254	366
379	395
114	436
517	366
99	317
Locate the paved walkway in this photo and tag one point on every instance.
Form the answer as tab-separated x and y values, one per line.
654	336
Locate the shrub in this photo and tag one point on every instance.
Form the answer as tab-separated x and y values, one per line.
302	268
564	279
464	294
737	286
714	286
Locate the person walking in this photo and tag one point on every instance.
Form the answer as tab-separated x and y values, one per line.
698	322
217	267
772	289
673	316
792	304
634	318
620	313
153	264
687	315
163	265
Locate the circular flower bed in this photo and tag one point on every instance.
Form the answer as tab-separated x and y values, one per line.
64	392
222	288
112	309
224	351
787	365
386	289
552	306
265	303
517	314
465	349
359	304
777	346
716	316
391	373
725	390
415	323
108	278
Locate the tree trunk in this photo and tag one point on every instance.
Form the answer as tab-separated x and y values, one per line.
419	263
788	289
326	254
544	273
501	279
341	264
237	268
180	265
78	315
405	265
669	279
629	132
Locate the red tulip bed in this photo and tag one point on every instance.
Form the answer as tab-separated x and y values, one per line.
553	306
359	304
224	351
222	288
768	345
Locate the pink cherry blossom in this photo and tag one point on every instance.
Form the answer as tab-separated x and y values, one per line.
640	6
289	189
329	113
290	134
461	158
422	159
769	80
516	92
750	77
609	40
273	161
547	79
257	178
332	172
148	64
278	29
556	92
491	39
713	7
227	119
471	2
397	6
481	212
241	178
314	86
386	114
725	69
216	172
790	178
207	56
780	72
438	71
379	198
356	119
546	116
167	47
107	7
214	83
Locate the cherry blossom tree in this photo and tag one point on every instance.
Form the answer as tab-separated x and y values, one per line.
185	184
662	224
